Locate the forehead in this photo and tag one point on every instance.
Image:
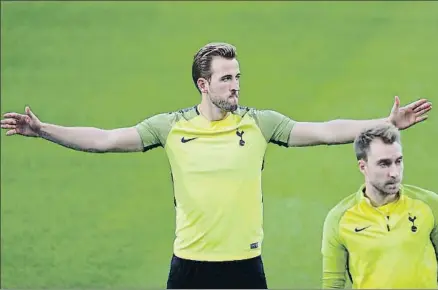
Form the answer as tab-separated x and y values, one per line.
379	150
223	66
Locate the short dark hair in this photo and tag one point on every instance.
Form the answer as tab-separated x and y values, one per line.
201	67
387	132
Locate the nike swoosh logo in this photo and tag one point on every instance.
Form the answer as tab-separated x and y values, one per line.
183	140
360	229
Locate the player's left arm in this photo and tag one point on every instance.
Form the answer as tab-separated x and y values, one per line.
345	131
334	254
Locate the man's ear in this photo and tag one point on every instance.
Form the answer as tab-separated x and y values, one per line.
202	85
362	165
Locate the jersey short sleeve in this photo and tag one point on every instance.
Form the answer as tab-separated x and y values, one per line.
154	130
275	126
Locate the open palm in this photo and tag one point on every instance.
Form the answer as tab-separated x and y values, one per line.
409	115
23	124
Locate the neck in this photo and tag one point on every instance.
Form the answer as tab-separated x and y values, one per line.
210	111
378	198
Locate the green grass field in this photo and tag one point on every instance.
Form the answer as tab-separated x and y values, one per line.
78	220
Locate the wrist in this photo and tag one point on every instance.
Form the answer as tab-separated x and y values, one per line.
42	129
389	120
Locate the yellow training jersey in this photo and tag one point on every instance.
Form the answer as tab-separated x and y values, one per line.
216	172
392	246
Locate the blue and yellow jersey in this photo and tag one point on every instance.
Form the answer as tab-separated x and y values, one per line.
216	170
392	246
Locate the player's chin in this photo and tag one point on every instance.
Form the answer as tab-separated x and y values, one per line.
233	104
231	108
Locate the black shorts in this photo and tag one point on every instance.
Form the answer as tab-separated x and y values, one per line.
243	274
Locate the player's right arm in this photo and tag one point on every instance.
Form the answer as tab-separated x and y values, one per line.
334	254
87	139
93	140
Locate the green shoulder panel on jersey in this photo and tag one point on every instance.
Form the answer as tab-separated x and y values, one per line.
428	197
332	221
154	130
274	126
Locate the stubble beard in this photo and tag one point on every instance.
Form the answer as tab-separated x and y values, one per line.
224	105
384	192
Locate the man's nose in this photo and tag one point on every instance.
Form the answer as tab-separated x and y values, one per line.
235	86
394	172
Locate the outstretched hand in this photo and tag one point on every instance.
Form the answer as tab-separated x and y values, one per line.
409	115
27	125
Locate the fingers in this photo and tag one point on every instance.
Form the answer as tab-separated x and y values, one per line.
11	132
17	116
8	126
9	121
29	112
396	104
13	115
416	104
423	107
422	112
421	119
397	101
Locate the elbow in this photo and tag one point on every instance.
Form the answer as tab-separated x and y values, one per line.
103	143
326	134
335	132
318	133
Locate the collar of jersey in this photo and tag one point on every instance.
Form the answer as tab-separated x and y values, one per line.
387	208
228	121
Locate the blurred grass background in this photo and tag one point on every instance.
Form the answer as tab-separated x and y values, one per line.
77	220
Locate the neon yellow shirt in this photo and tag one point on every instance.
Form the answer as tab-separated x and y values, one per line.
393	246
216	172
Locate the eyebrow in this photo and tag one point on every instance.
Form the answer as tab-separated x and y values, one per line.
388	160
228	75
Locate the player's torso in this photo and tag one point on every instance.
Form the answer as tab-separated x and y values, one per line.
217	185
390	248
237	148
